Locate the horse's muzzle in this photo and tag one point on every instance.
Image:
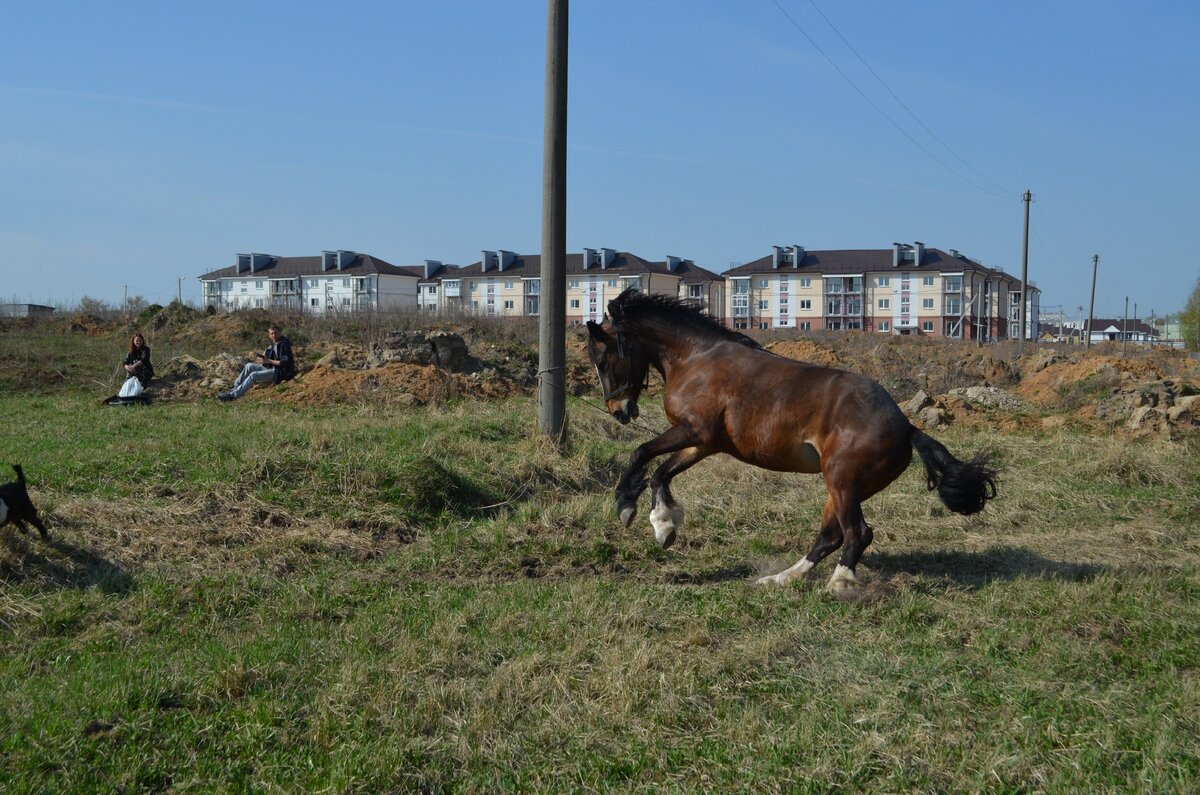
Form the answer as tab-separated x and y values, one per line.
625	411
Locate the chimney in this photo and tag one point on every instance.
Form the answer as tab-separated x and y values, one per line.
918	253
776	257
258	261
954	253
505	258
430	267
607	255
797	255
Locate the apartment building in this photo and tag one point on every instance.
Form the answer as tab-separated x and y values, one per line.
908	289
506	284
335	281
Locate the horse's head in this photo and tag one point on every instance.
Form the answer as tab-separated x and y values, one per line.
621	370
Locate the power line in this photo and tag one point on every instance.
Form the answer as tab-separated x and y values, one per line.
882	112
904	105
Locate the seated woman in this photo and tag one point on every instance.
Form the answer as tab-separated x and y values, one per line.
137	361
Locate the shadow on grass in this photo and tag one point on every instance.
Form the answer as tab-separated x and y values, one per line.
710	576
71	567
974	569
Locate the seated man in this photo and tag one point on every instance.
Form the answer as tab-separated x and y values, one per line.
276	365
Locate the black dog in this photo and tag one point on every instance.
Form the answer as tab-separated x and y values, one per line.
16	507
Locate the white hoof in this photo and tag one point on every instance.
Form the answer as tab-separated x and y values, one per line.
843	581
666	520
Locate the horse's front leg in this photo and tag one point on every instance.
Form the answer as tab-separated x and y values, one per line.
633	479
666	515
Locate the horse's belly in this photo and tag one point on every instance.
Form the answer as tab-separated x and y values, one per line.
804	458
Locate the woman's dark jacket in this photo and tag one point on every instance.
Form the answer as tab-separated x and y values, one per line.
145	370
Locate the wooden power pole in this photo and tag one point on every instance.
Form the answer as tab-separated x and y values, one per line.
1024	269
552	392
1092	304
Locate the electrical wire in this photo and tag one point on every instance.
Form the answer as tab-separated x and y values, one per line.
904	105
884	113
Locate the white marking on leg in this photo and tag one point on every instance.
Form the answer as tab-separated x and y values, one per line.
843	580
665	519
787	575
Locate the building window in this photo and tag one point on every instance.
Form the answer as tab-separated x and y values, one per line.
508	304
805	303
885	325
805	281
471	286
952	284
612	282
243	287
508	284
953	306
763	304
764	325
695	291
927	303
312	282
574	303
258	284
927	326
258	302
762	284
927	281
432	290
884	281
804	325
314	302
345	282
885	303
573	284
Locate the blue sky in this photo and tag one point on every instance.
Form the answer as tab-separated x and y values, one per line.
144	142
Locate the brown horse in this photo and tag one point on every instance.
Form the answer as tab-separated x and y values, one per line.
724	394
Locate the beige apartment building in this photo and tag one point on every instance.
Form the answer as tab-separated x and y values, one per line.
506	284
908	289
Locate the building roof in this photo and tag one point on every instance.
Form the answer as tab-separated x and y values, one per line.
868	260
1134	326
286	267
623	263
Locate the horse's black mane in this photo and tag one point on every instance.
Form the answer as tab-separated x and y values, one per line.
633	308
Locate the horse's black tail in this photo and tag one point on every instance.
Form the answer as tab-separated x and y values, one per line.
20	473
964	486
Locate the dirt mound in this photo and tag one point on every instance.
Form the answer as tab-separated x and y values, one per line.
806	351
1049	379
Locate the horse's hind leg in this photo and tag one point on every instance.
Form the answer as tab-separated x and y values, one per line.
829	538
666	515
858	536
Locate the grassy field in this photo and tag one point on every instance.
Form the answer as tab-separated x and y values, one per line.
359	599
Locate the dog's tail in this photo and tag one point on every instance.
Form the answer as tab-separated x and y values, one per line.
20	474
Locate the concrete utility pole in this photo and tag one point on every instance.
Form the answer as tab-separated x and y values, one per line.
125	301
552	347
179	290
1024	266
1092	304
1125	328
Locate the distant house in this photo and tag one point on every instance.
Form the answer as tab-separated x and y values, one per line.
1117	329
26	310
907	289
334	281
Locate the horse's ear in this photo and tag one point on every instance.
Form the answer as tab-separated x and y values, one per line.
595	330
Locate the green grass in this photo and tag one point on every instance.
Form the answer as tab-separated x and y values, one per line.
254	597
